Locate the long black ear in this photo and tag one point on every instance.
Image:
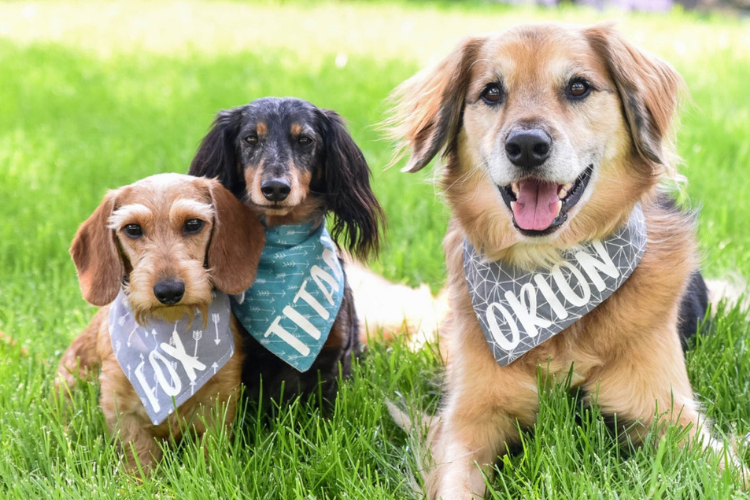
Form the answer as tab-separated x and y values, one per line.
217	155
346	183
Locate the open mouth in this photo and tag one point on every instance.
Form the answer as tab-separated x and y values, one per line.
540	207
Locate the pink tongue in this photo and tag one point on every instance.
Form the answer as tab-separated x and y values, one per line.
536	206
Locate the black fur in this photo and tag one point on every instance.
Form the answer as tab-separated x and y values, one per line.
693	308
694	304
262	138
347	189
217	155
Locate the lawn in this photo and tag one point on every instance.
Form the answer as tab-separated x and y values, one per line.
97	95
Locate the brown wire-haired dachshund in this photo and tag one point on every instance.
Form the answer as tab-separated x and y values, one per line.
292	164
555	139
154	253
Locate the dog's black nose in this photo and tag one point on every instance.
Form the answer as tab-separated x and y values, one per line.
170	291
528	148
276	189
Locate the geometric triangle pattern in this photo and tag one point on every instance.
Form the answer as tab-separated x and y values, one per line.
520	309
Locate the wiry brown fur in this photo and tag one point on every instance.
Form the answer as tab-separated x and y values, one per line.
224	254
627	351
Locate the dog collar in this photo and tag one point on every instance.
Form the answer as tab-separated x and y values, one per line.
519	310
297	293
166	363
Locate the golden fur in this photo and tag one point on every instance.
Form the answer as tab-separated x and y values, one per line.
626	353
230	242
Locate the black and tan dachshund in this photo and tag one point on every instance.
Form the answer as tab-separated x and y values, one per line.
294	163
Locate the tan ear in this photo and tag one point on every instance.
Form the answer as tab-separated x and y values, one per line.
428	106
236	242
96	256
649	89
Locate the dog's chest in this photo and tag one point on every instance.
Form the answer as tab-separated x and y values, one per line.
168	362
299	288
519	311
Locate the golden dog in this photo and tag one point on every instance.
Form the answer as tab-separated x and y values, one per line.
168	240
550	136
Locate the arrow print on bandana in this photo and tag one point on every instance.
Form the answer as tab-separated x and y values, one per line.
265	281
156	363
293	319
215	318
197	335
131	334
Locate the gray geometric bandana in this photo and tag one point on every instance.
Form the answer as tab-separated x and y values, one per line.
164	360
519	310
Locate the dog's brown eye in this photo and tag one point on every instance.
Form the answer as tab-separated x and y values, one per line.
193	226
578	88
133	230
492	93
304	140
251	139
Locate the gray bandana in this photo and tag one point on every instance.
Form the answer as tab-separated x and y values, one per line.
170	360
519	310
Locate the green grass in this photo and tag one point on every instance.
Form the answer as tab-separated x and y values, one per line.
93	96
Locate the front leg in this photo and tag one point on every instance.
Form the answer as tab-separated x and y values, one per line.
127	419
480	418
637	385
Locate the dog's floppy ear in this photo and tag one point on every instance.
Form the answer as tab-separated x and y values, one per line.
429	106
346	184
649	90
236	242
96	256
217	154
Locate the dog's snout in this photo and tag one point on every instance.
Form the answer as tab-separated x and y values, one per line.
170	291
276	189
528	148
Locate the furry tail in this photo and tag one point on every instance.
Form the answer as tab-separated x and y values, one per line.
81	359
394	309
732	289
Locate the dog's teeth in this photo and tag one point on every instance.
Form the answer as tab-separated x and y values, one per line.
559	207
514	187
562	194
512	205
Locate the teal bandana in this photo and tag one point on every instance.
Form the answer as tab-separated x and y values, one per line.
297	293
